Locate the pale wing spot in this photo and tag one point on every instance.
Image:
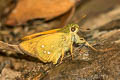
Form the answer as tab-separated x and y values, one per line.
45	52
42	46
48	52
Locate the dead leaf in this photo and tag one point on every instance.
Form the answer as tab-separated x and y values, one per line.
31	9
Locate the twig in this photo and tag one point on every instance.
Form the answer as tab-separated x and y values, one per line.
10	47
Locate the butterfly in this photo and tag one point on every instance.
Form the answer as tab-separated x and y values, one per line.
50	46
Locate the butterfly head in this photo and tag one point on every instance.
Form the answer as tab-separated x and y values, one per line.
73	28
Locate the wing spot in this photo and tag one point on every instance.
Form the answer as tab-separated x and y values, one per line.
42	46
45	51
48	52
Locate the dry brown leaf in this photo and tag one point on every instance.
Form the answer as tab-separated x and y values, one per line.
30	9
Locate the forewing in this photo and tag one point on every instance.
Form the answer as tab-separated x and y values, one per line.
39	34
49	48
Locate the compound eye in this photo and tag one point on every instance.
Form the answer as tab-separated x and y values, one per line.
81	39
73	29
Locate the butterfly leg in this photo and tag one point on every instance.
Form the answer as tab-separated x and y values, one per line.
71	50
62	55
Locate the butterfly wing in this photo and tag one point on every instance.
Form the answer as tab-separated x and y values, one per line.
39	34
48	48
